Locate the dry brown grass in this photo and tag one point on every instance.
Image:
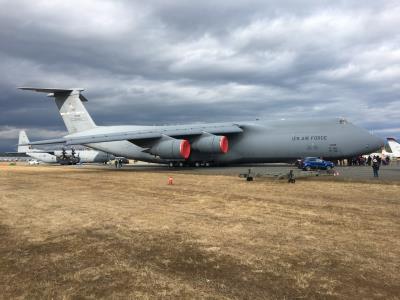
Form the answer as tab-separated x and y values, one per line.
71	233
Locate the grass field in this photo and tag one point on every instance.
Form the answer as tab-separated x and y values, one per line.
92	233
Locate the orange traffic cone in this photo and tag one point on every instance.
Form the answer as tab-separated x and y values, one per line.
170	180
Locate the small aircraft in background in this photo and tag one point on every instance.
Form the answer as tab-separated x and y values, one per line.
33	162
63	157
393	154
394	146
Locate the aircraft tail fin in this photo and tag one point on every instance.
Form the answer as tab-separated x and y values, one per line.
23	139
394	146
69	103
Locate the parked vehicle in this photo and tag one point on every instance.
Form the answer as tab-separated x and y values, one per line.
315	163
298	163
33	162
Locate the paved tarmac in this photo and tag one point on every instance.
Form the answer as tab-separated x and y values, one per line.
386	173
389	173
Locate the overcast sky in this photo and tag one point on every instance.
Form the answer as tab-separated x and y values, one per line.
163	62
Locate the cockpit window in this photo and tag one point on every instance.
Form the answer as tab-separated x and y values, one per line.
342	121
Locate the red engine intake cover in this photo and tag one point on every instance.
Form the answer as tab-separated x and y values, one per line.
185	149
223	144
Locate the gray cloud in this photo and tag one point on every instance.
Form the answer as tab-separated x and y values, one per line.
177	61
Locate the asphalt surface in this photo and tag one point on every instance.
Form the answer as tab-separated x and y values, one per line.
386	173
352	173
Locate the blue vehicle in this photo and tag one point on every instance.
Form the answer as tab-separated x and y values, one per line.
315	163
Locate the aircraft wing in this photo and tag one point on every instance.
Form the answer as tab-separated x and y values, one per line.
140	135
16	153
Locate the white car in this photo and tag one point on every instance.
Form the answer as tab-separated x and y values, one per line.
33	162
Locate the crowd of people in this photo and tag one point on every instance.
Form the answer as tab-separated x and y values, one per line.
364	161
374	161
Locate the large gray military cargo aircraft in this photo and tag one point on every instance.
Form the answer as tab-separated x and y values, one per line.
211	143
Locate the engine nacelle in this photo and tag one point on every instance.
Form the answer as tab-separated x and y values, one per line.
211	144
171	149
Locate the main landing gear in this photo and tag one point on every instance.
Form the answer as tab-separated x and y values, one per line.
176	164
196	164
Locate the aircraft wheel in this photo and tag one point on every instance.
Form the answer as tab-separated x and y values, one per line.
308	169
328	168
207	164
171	164
197	164
180	164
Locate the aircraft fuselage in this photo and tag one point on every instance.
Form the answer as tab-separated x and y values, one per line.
261	141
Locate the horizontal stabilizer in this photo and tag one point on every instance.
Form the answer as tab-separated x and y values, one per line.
50	90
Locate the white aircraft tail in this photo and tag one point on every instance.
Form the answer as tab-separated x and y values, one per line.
394	146
23	139
72	110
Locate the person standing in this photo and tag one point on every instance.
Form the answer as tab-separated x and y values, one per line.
369	160
375	167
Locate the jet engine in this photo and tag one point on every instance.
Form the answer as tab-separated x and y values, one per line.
170	148
210	143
